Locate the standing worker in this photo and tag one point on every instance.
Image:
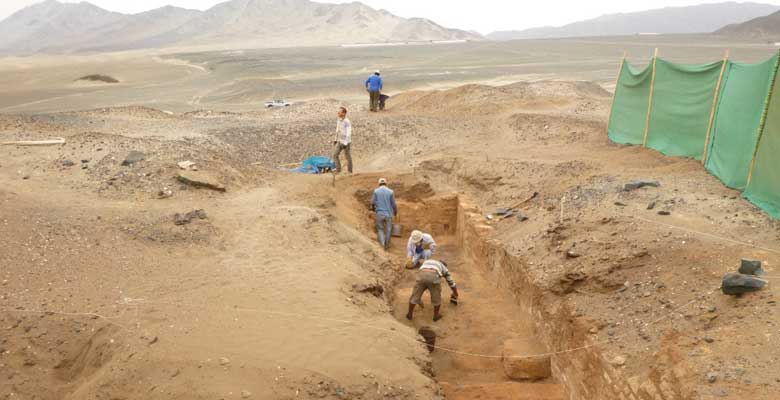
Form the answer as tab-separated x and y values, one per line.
343	140
374	87
384	205
420	247
429	278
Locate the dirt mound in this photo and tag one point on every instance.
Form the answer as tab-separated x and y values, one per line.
476	100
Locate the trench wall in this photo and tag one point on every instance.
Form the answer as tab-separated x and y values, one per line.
584	373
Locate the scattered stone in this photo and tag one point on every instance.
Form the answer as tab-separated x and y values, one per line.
573	254
133	157
374	288
664	212
187	165
634	185
184	219
165	193
84	161
712	309
224	361
521	216
245	394
736	284
618	361
620	204
200	180
517	367
68	163
652	205
712	377
751	267
709	340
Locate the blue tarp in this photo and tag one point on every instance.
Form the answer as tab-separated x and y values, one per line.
316	165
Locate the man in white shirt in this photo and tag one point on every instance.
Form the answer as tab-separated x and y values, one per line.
429	278
343	140
419	248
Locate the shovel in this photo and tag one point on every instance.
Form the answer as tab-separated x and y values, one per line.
398	229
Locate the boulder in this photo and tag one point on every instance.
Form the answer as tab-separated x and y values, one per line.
517	367
736	284
200	180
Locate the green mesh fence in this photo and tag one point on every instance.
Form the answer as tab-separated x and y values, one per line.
735	129
629	110
764	187
680	116
682	105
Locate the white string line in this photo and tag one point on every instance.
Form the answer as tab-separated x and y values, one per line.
709	235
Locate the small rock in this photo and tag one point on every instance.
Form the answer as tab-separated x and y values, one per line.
68	163
184	219
618	361
634	185
521	216
133	157
664	212
200	180
751	267
651	205
224	361
26	177
712	309
374	289
245	394
573	254
712	377
620	204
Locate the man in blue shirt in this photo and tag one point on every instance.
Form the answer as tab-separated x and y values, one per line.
374	87
384	205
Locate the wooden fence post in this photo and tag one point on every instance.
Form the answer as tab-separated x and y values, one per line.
762	124
614	94
650	102
714	107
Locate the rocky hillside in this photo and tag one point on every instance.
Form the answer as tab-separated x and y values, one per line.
764	28
54	27
702	18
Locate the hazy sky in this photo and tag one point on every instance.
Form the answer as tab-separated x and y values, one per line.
484	16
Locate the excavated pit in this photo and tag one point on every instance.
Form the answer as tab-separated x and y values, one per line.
498	303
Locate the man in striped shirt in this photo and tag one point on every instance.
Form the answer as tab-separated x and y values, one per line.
429	278
343	140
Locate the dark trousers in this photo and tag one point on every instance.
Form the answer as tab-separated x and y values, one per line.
337	156
374	98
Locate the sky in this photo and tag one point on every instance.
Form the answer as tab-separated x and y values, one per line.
483	16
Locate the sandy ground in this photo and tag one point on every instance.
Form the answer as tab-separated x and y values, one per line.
104	297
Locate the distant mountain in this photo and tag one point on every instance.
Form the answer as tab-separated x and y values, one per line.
54	27
764	28
702	18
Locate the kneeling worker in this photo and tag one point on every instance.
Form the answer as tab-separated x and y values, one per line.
420	247
429	278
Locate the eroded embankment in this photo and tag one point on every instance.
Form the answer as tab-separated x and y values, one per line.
501	312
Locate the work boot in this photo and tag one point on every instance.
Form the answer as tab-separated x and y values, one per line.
436	314
410	314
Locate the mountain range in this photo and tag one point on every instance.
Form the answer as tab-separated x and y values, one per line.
704	18
54	27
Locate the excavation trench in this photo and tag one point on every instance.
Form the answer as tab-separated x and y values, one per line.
500	310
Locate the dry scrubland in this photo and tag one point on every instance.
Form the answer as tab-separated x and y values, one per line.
277	289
